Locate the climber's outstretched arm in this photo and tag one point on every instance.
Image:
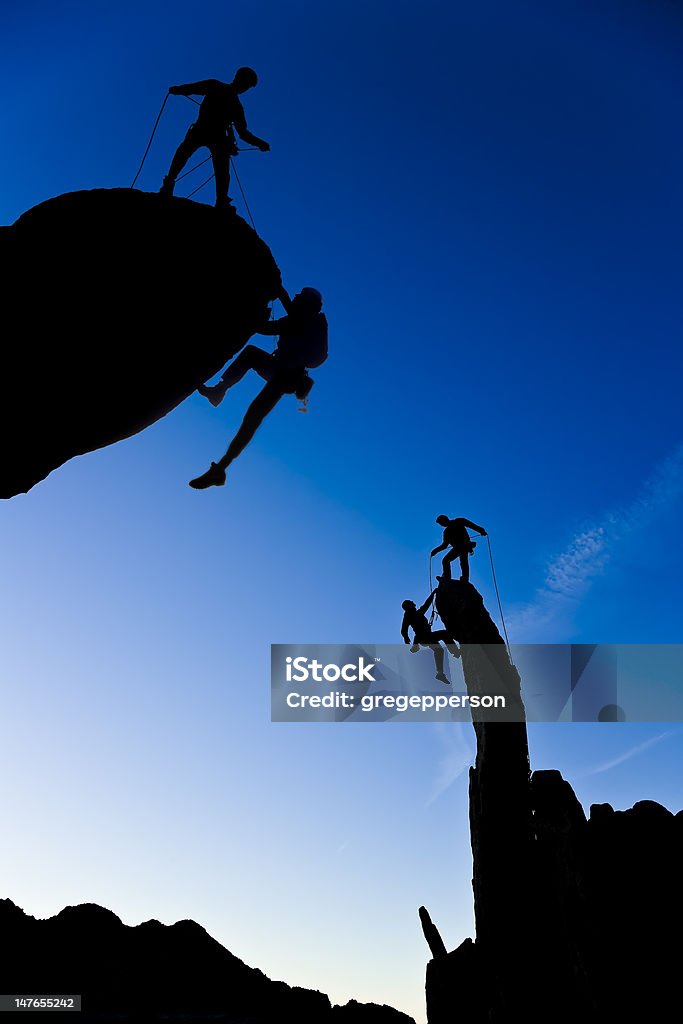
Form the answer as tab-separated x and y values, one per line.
283	296
193	88
435	551
240	123
473	526
423	608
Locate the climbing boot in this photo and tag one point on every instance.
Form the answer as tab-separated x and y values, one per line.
225	203
215	394
214	477
167	186
442	678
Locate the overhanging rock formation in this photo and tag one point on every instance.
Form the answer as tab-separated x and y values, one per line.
117	304
576	919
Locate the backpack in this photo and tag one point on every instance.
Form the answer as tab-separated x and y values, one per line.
316	348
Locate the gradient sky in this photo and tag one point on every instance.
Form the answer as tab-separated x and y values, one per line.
489	197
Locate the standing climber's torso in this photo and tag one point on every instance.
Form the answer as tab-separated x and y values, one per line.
219	109
455	534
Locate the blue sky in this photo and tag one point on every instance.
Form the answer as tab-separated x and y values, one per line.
489	198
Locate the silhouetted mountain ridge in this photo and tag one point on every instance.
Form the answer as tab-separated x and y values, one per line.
117	304
150	970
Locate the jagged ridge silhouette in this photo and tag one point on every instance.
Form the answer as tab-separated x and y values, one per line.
154	971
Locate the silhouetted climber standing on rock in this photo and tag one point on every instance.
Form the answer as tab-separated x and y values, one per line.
302	345
221	114
456	537
424	636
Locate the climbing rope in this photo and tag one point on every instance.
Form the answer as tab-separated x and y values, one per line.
241	149
197	189
500	607
210	178
237	179
156	124
431	587
196	167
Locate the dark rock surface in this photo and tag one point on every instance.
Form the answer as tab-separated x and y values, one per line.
117	304
153	972
576	918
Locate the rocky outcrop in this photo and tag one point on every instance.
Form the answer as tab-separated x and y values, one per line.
499	796
117	304
576	918
153	972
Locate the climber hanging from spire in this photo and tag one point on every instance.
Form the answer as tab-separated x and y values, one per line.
221	114
456	537
424	636
302	345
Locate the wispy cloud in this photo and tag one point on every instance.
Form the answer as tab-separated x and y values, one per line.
606	766
570	574
457	754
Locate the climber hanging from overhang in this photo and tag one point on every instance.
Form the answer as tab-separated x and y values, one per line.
424	636
456	537
221	114
302	345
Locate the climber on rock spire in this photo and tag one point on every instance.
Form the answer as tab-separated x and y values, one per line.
456	537
424	636
302	345
221	114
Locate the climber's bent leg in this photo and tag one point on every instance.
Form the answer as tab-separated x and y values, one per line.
265	402
250	358
438	652
443	634
187	147
446	563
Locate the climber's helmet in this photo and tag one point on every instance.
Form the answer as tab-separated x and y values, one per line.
407	605
245	78
309	301
442	520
